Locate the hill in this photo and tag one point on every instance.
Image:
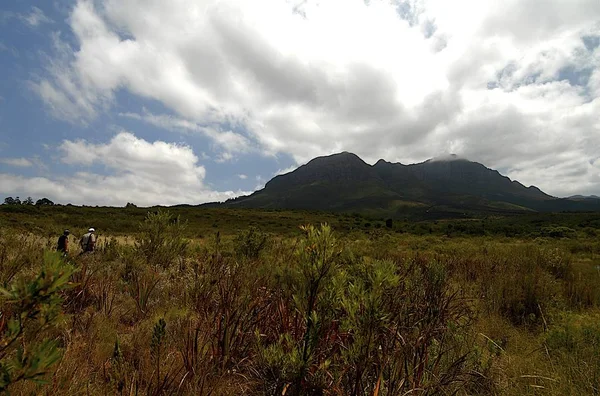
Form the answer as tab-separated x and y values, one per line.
447	187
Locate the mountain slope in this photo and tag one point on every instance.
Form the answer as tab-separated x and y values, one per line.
326	183
345	182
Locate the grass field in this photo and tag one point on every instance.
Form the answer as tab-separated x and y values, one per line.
229	302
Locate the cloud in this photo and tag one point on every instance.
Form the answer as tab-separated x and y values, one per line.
18	162
260	182
286	170
513	84
225	141
35	18
135	170
242	176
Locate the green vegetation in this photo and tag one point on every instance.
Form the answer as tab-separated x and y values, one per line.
29	308
231	301
203	222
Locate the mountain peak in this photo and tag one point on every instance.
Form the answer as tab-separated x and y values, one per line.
334	168
344	182
446	158
344	155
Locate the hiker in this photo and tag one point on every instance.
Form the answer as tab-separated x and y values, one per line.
88	241
63	243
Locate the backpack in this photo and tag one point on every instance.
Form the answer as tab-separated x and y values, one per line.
85	242
62	243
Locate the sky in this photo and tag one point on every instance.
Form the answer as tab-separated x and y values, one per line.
106	102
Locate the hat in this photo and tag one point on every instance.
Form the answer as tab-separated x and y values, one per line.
91	230
67	232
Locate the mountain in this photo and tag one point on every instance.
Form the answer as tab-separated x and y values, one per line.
439	187
583	197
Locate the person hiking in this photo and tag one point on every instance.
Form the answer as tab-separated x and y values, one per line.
63	243
88	241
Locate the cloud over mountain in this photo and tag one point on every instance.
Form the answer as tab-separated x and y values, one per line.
514	85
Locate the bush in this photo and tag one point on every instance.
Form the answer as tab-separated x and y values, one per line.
250	243
160	239
558	232
30	307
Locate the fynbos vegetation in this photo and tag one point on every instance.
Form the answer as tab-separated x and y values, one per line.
318	312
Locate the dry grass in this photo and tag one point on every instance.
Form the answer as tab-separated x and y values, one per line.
370	313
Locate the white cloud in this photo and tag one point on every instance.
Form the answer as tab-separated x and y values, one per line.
286	170
18	162
136	171
260	182
242	176
226	141
35	18
402	80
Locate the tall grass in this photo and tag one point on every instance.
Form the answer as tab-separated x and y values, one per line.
315	314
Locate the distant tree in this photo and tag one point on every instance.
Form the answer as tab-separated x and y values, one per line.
17	201
44	202
9	201
28	201
130	205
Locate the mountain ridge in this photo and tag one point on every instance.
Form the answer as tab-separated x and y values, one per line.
450	185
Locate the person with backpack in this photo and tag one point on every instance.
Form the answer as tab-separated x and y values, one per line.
63	243
88	241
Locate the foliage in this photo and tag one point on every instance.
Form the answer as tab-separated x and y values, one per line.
31	307
250	243
27	201
12	201
141	288
267	307
558	232
44	202
160	239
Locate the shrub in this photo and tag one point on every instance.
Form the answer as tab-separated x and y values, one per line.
250	243
31	306
160	240
558	232
295	360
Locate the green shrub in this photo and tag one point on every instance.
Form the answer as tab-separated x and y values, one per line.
250	243
31	306
558	232
160	238
309	284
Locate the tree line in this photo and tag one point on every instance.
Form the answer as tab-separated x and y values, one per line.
27	201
